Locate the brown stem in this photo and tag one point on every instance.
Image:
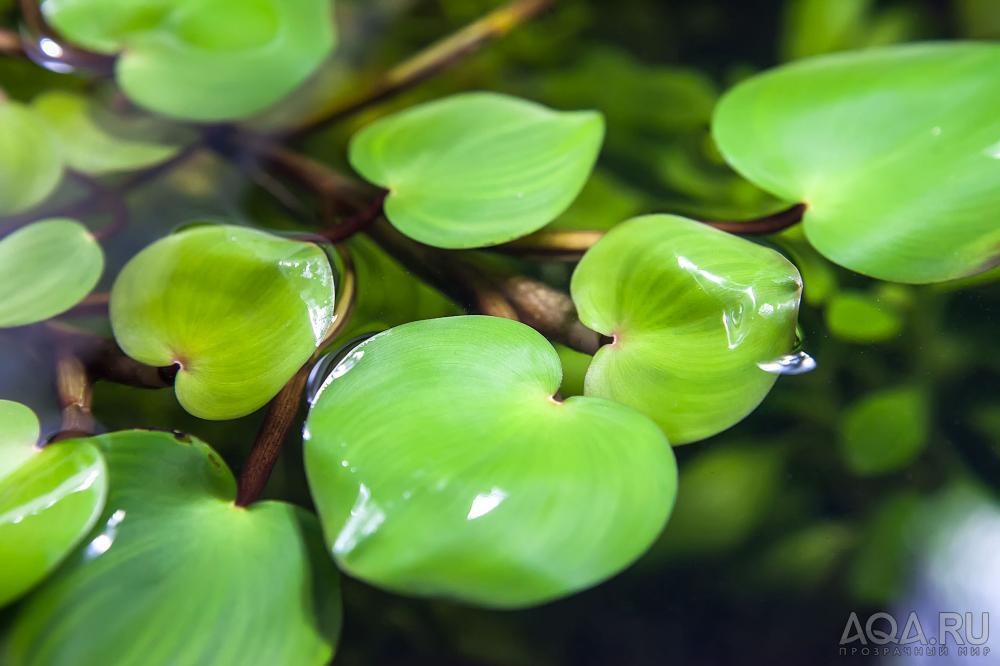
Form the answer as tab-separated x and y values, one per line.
270	438
98	197
348	227
493	292
104	359
430	61
10	44
768	224
94	304
570	245
53	51
106	199
281	411
559	245
337	193
73	387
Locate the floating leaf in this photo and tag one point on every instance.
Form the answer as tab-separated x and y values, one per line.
884	431
896	151
859	317
441	465
238	310
204	60
49	499
89	147
479	168
692	312
45	269
175	573
30	163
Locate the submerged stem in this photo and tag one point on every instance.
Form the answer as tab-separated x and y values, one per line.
53	50
10	44
435	58
767	224
74	389
570	245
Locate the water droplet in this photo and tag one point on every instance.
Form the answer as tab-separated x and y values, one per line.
796	363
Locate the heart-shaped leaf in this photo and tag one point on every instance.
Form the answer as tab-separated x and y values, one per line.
45	269
30	163
477	169
204	60
441	465
49	499
175	573
896	152
238	310
692	311
90	147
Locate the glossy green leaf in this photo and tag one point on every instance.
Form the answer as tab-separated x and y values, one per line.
694	313
49	499
441	465
896	151
89	147
884	431
175	573
238	310
859	317
477	169
203	60
46	268
30	162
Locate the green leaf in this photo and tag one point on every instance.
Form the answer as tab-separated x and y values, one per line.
693	312
89	147
175	60
238	310
884	431
45	269
477	169
859	317
49	499
441	465
175	573
30	164
896	151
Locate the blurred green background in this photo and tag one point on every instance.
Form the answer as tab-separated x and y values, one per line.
867	485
